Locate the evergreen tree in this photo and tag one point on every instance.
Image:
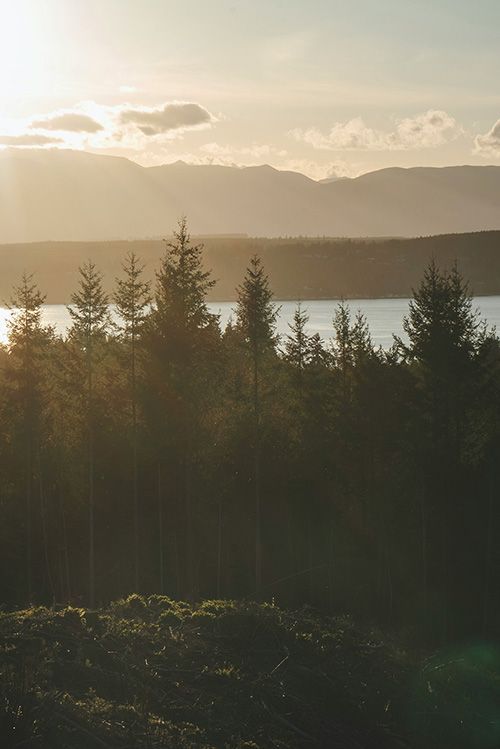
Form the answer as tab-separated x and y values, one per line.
27	341
318	355
133	300
89	311
182	286
445	340
297	341
361	339
256	319
343	343
180	338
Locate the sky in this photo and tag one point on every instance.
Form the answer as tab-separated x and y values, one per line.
323	87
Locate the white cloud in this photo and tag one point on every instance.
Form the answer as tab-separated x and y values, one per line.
318	171
249	155
488	145
99	127
427	130
172	116
67	121
30	140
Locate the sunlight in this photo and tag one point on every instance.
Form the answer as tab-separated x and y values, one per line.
24	50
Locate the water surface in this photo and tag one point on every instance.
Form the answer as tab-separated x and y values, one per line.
385	316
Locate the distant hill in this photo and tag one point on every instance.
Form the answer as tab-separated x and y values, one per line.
71	195
299	268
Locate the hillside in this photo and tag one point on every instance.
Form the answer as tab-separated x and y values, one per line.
70	195
151	672
298	268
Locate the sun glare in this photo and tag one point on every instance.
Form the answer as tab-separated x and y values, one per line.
24	49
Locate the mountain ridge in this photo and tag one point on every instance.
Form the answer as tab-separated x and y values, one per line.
65	195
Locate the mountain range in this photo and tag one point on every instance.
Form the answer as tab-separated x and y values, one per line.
78	196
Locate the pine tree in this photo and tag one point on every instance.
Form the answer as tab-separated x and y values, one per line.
89	311
133	300
442	322
179	337
297	342
361	339
182	286
27	339
256	319
342	343
318	355
445	338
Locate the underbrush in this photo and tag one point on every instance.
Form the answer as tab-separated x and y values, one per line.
153	672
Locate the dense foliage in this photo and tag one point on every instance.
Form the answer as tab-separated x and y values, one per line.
160	454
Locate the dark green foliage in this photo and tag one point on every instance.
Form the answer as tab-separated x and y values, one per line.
132	298
256	313
297	343
181	288
153	672
256	323
168	456
89	309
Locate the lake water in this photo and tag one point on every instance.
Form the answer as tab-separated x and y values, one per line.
385	316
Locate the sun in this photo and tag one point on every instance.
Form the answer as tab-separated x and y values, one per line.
24	49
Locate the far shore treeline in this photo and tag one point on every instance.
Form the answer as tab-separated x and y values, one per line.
298	268
164	455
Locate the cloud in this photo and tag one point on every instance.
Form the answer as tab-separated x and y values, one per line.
171	116
317	171
73	122
118	127
255	153
28	139
427	130
489	143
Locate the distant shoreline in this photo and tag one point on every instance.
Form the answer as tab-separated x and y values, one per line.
66	303
298	268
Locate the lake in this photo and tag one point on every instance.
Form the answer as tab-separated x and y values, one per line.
385	316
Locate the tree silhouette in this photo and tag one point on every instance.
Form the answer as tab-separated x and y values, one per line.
89	311
256	320
27	340
178	337
133	300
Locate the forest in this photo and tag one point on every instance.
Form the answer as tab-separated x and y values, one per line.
164	455
298	267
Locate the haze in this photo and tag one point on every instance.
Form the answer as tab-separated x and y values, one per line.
323	88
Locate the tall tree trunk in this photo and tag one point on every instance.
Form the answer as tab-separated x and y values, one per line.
488	553
28	510
423	538
258	520
190	582
66	567
135	469
44	531
219	549
92	598
160	532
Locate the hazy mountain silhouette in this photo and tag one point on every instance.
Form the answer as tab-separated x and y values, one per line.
70	195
